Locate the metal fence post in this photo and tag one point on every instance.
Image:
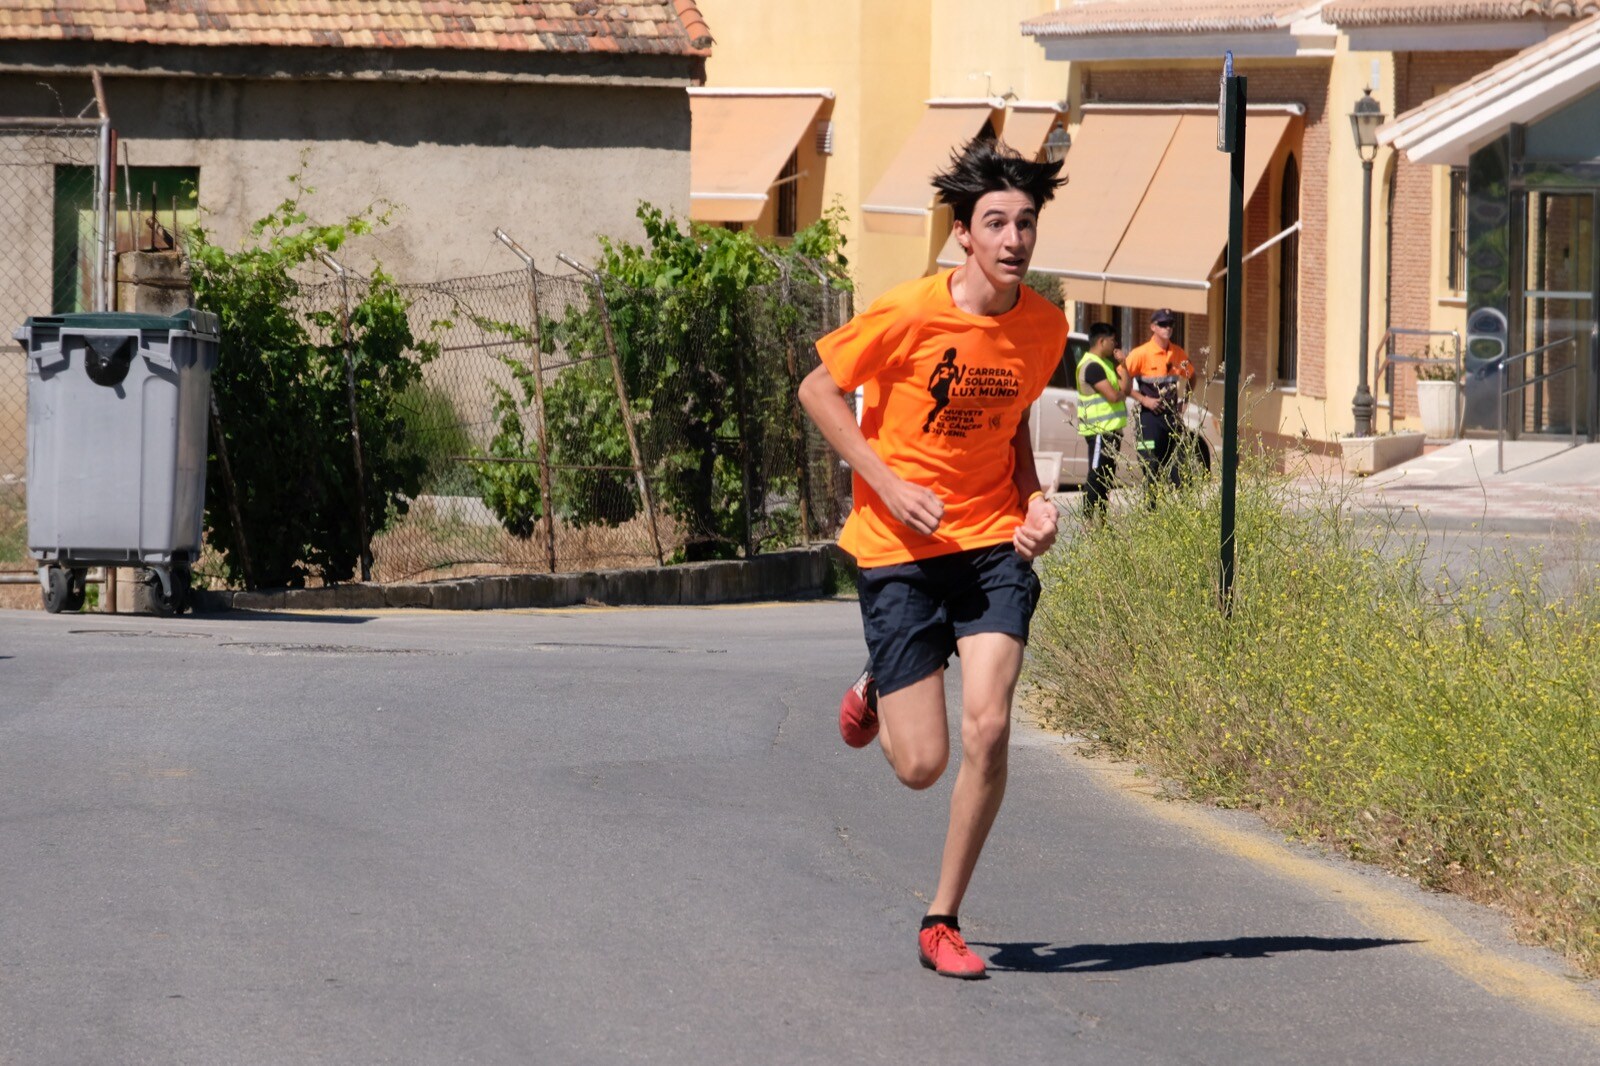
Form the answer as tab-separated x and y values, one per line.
355	416
541	430
1231	139
622	398
741	385
104	193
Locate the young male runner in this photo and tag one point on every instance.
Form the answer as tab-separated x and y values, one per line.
948	511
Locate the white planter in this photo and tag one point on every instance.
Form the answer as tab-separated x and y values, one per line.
1368	455
1437	406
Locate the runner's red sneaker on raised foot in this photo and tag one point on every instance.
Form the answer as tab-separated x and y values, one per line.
945	953
858	711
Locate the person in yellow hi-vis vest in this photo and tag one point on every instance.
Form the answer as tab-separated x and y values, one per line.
1102	413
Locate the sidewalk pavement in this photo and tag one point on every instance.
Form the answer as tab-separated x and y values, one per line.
1546	486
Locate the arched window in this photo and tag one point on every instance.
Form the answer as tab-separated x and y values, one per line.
1289	275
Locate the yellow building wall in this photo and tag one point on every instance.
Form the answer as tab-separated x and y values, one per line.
979	50
1330	418
882	59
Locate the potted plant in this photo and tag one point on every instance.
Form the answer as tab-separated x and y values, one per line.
1439	398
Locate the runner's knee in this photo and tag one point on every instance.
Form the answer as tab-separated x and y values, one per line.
985	735
921	771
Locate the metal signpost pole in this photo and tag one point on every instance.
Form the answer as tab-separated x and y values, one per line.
1231	140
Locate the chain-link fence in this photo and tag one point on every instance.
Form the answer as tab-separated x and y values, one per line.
51	223
569	423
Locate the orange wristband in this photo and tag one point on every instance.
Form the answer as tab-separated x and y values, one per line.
1037	495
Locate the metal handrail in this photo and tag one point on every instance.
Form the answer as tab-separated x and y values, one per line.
1506	391
1391	359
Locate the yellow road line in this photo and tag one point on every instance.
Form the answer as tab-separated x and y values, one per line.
1385	910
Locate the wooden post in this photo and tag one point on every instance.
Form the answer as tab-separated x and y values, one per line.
622	399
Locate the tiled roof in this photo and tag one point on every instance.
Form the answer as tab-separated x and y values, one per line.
1418	12
1087	18
669	27
1521	89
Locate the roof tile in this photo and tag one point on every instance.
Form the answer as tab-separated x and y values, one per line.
467	25
1094	18
1424	12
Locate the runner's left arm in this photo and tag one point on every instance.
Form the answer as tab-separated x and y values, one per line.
1037	533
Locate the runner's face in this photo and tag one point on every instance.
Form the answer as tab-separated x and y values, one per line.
1001	239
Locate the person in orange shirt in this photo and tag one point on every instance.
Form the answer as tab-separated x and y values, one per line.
948	513
1161	375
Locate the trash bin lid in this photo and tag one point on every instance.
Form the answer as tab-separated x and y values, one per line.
188	320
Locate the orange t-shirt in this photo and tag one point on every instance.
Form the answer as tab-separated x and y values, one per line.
1154	372
944	392
1149	361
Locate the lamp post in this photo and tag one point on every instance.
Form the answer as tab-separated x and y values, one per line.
1365	119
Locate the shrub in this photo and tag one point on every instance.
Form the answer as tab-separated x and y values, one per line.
1443	728
694	315
286	419
435	435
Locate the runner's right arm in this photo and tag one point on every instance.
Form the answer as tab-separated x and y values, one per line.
824	401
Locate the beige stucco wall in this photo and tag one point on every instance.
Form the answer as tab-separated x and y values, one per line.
554	165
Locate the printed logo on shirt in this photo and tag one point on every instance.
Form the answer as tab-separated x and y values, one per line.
954	381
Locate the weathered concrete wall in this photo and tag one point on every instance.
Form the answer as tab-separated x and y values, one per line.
555	165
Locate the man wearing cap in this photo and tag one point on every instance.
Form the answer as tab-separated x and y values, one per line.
1161	375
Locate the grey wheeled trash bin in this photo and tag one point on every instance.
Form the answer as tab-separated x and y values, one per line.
118	407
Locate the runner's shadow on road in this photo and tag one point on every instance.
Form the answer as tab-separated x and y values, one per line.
1024	957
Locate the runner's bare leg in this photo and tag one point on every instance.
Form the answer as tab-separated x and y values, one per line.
914	732
990	665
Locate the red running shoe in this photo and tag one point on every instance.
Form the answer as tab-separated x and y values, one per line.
945	953
858	711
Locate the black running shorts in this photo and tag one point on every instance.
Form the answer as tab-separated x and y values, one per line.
913	613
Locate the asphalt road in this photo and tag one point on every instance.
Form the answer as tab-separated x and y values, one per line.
633	835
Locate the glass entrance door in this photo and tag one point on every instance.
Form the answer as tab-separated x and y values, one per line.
1558	315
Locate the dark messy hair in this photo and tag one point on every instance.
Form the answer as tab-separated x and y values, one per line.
1100	329
983	166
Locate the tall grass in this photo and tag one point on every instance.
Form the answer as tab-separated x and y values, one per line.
1447	729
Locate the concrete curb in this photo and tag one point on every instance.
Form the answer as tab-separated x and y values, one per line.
797	574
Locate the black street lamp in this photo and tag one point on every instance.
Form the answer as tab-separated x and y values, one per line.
1364	122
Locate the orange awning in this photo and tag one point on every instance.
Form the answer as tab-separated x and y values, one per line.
738	145
1181	228
901	200
1026	127
1113	157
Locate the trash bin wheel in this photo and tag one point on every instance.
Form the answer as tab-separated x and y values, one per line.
163	604
67	589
